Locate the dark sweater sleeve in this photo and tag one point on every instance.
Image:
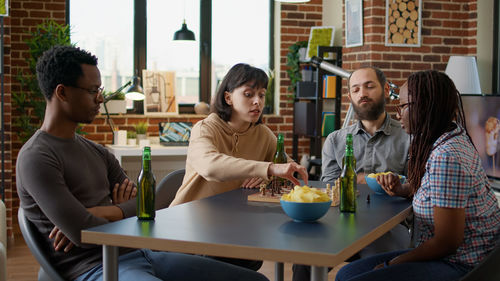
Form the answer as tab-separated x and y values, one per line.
117	175
41	176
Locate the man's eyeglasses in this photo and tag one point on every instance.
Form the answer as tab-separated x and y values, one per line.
401	107
92	92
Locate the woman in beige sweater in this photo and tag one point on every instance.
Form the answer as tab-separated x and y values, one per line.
231	148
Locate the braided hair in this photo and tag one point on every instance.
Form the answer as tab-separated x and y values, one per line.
435	107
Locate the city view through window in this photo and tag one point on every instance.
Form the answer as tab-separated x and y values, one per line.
240	33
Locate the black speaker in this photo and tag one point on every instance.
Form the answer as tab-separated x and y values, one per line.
304	118
306	89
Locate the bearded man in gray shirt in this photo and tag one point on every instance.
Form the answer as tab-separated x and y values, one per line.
67	183
379	144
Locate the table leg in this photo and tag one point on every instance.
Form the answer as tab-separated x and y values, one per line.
319	273
110	263
278	271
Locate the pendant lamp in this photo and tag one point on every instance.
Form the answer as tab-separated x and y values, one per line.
184	33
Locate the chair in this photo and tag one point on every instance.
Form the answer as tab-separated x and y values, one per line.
167	188
34	241
487	269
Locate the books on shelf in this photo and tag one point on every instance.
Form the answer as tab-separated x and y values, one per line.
329	86
327	123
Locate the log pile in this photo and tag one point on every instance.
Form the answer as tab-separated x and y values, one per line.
403	22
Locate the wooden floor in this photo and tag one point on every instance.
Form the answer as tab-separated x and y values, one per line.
22	266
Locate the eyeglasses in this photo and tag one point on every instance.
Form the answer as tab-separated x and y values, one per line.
401	107
92	92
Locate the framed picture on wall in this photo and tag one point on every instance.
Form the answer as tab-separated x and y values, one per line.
403	23
353	23
159	92
319	36
4	8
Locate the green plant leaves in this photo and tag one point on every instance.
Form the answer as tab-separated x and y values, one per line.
29	102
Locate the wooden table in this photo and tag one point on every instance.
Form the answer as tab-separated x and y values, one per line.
228	225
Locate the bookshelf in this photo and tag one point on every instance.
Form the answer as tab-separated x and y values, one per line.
309	109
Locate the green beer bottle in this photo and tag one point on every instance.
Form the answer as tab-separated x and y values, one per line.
348	179
280	156
146	183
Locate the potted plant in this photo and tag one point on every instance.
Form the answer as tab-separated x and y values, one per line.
140	129
131	138
293	64
29	101
117	104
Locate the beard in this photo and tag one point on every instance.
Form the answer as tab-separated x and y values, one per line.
370	111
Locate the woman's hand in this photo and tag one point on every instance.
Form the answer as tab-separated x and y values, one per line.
124	192
252	182
287	170
392	185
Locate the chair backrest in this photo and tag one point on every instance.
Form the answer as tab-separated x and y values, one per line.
488	269
167	188
33	239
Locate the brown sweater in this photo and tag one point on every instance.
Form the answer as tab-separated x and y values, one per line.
220	159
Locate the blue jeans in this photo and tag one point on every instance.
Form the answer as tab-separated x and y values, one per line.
143	265
362	270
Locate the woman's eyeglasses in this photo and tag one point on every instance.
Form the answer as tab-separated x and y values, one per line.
401	107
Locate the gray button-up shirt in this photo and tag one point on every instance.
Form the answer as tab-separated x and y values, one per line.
386	150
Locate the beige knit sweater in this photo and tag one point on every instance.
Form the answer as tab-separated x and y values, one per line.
220	159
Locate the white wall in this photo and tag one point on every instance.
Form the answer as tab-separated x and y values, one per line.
485	9
332	15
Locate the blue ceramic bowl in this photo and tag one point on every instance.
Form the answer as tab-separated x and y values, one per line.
373	184
305	212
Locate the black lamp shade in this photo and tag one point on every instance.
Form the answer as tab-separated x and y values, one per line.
184	33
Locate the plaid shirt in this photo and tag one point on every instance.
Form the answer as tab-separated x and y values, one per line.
454	178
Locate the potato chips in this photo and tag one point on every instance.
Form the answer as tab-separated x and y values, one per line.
306	194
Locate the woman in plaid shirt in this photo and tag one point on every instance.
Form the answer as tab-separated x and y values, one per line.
456	211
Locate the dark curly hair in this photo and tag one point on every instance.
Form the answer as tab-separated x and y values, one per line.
435	108
61	65
239	75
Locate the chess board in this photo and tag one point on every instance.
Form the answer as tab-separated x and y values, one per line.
258	197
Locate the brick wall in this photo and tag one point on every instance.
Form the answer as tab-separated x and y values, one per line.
23	16
296	22
449	28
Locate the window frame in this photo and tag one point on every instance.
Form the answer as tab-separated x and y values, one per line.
140	41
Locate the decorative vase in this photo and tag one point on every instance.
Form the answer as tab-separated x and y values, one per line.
141	137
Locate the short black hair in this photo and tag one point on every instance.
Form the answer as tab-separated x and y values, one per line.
239	75
380	76
61	65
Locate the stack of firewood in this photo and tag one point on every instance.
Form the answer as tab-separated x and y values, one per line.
403	22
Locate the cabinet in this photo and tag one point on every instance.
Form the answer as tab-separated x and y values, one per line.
308	110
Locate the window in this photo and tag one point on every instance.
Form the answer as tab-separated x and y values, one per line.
240	31
180	56
113	45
